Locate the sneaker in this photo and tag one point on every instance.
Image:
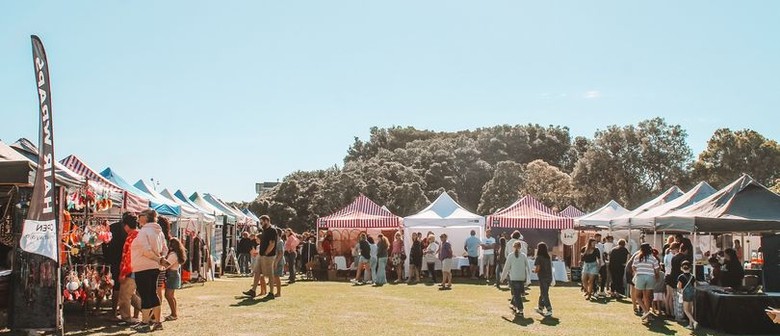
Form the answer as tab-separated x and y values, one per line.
519	314
250	293
150	327
539	311
548	313
270	296
139	325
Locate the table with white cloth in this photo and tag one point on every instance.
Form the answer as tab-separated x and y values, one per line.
457	264
559	270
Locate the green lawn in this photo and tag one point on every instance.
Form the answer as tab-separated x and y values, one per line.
340	308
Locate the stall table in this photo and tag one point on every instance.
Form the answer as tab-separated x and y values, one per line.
559	270
735	313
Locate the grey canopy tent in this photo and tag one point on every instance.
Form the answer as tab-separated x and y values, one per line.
743	206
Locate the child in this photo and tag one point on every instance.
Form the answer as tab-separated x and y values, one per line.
686	282
659	296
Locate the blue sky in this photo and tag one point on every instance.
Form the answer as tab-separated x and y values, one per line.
215	96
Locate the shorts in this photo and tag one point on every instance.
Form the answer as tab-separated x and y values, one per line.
267	265
279	269
172	279
256	266
644	281
446	265
473	261
161	279
591	268
659	297
489	259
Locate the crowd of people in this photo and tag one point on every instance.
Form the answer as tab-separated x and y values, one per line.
272	252
661	283
149	262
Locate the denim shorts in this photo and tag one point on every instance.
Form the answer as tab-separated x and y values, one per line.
644	281
591	268
172	280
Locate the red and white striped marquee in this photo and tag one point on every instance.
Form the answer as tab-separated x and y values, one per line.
132	202
362	213
528	213
571	212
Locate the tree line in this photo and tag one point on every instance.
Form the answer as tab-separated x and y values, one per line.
487	169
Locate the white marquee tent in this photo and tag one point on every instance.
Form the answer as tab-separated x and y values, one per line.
444	215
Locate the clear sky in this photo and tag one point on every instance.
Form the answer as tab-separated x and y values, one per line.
215	96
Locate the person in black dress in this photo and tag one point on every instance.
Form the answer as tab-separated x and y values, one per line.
618	258
731	273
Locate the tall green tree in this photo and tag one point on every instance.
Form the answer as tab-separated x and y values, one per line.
631	163
503	189
548	184
730	154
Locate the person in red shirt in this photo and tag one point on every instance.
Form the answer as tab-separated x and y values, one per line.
127	294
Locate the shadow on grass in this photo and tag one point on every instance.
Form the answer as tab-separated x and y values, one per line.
550	321
660	326
247	301
521	321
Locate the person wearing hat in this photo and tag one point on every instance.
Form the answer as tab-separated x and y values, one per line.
686	283
445	255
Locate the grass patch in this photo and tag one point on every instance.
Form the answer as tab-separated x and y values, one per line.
340	308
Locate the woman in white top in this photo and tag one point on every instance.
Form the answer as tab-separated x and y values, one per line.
177	255
517	270
430	254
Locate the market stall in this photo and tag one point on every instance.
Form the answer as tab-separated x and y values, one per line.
130	202
537	223
445	215
216	238
743	206
197	239
362	215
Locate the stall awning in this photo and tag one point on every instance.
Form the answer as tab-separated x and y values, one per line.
529	213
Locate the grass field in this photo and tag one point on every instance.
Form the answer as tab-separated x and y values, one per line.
340	308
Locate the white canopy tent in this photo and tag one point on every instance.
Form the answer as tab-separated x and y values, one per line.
444	215
600	218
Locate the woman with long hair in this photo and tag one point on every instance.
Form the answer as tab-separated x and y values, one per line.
543	269
645	272
382	247
731	272
415	258
591	258
500	259
177	255
398	256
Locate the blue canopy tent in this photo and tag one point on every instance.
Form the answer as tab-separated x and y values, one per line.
160	199
162	207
